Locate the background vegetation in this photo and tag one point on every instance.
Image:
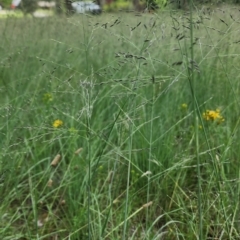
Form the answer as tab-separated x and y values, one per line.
5	3
102	128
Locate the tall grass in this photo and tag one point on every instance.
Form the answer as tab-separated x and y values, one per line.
138	159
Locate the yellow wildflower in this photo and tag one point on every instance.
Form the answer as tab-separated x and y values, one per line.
57	123
211	115
47	97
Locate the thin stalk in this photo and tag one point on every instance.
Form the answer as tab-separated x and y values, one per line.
195	104
132	103
129	217
128	182
89	169
88	123
150	148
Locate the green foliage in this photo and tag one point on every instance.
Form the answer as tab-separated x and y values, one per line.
118	5
28	6
152	4
5	3
161	3
64	7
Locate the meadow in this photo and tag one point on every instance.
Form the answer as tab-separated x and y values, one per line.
120	126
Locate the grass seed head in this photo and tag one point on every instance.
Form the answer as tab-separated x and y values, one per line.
146	173
115	201
147	204
50	183
56	160
78	151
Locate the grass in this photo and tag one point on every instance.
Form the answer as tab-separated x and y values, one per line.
19	14
132	156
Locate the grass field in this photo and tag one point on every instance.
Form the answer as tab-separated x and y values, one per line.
120	126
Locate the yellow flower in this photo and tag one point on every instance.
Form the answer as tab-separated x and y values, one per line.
211	115
184	106
47	97
57	123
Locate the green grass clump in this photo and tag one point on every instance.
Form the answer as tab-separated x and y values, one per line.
103	131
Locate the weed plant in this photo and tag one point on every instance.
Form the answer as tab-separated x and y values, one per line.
121	126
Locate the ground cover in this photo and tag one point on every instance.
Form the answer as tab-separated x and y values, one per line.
120	126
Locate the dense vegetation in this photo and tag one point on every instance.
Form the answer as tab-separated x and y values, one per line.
120	126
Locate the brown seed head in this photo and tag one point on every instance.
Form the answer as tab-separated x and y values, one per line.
78	151
50	183
56	160
147	204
